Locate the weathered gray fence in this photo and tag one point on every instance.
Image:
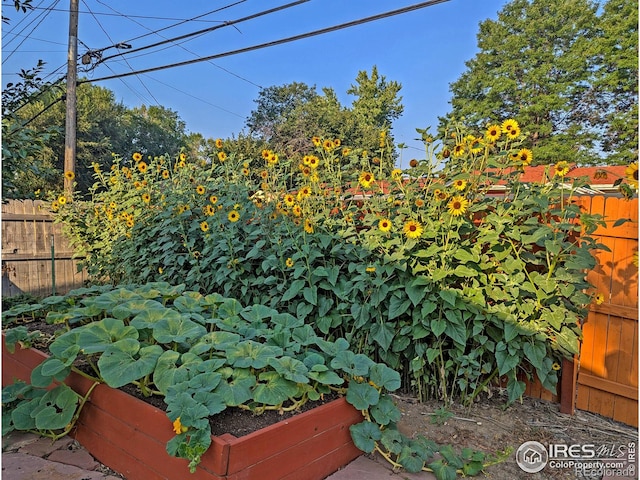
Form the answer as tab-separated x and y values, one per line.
36	257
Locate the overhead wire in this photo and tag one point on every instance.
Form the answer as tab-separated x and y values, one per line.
276	42
183	47
25	38
111	40
146	17
210	29
23	18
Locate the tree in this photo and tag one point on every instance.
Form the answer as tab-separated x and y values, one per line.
535	64
25	168
615	89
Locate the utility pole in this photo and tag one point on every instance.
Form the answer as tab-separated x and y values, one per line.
71	116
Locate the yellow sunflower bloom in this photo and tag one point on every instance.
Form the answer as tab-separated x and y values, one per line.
297	210
493	133
200	190
146	198
631	172
599	299
327	145
458	150
458	205
509	124
513	133
316	141
289	262
183	157
62	200
366	179
396	174
460	184
412	229
213	199
555	366
55	206
142	167
165	174
289	200
233	216
218	143
137	156
384	225
308	226
69	175
314	161
525	156
419	202
204	226
561	168
209	210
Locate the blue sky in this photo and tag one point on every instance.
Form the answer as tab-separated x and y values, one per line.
425	50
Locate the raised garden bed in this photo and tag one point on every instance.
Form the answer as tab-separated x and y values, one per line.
130	436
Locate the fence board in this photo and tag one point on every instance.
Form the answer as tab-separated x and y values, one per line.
27	230
607	381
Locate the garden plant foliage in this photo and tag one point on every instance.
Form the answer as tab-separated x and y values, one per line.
203	354
453	271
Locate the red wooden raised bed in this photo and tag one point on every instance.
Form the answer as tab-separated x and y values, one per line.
129	436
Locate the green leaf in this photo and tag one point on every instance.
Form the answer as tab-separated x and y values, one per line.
311	294
365	435
382	334
291	369
398	305
535	353
39	379
438	326
125	361
416	290
275	391
443	471
326	377
97	336
384	377
385	411
56	408
251	354
356	365
238	390
449	296
362	395
293	290
170	330
411	459
392	440
505	361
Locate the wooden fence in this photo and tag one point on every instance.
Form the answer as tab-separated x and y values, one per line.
607	381
607	372
29	263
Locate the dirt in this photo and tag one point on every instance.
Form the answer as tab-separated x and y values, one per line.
488	426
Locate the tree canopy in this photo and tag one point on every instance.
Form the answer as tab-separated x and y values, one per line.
566	72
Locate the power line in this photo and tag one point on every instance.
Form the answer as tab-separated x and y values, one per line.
277	42
210	29
183	47
146	17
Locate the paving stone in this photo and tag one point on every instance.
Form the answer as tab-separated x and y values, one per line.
20	466
78	457
44	446
15	440
368	468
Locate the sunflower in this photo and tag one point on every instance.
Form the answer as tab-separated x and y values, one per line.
146	198
222	156
370	269
208	210
137	156
289	200
183	157
493	133
599	299
304	192
458	205
412	229
218	143
297	210
460	184
525	156
384	225
439	194
458	150
413	163
69	175
316	141
289	262
555	366
396	174
142	167
337	142
245	172
213	199
327	145
55	205
62	199
204	226
314	161
130	223
474	143
631	172
561	168
419	202
233	216
513	133
200	190
509	124
308	226
346	151
165	174
366	179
